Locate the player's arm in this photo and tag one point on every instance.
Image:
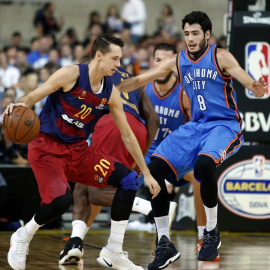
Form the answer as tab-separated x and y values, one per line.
148	114
229	66
130	141
186	105
63	78
166	66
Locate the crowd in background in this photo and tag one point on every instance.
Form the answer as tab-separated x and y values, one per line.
23	68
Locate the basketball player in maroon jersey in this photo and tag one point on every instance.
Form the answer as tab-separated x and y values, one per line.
76	97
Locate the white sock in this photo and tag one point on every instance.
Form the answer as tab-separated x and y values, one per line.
211	217
142	206
85	232
31	228
116	239
78	229
200	231
162	224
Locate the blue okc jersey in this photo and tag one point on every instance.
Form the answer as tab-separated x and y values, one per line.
211	94
71	116
130	100
170	112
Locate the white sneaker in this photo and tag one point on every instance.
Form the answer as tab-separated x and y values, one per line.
19	248
172	213
115	260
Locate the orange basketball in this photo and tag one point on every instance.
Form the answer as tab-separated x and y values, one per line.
22	125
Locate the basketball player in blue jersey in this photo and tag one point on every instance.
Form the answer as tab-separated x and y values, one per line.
77	95
88	200
213	135
173	108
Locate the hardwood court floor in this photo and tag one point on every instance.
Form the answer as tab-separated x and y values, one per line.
238	251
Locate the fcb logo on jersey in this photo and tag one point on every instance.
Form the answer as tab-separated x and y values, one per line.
257	64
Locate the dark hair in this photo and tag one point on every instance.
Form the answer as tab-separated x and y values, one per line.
16	34
102	44
170	10
47	5
198	17
164	47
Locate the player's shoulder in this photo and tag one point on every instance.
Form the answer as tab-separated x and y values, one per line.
221	53
71	71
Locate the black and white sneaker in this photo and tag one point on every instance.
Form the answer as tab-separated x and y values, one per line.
73	252
165	254
210	246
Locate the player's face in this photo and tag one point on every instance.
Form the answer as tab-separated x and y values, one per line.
111	60
158	57
195	39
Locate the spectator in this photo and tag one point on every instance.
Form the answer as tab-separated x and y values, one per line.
44	21
72	34
134	16
9	75
11	93
92	34
31	84
94	18
20	88
66	58
78	54
21	62
54	57
167	21
15	40
113	21
11	53
38	58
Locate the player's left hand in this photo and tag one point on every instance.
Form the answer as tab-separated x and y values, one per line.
152	185
259	88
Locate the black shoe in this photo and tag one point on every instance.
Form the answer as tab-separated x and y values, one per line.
73	251
211	243
165	254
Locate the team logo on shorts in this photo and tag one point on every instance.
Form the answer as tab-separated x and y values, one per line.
257	63
244	188
98	178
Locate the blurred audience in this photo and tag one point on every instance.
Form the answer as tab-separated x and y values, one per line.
134	17
45	22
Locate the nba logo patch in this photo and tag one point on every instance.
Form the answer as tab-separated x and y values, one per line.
257	64
259	165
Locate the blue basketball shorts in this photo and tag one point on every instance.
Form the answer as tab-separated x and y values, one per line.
216	139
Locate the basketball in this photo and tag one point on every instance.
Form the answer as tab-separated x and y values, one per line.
22	125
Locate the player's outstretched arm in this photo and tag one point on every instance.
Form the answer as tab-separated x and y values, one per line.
149	115
229	66
63	78
130	141
166	66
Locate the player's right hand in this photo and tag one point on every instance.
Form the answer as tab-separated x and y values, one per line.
152	185
10	108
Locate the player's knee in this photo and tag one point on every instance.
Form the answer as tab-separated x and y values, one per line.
63	202
130	181
203	163
124	178
125	195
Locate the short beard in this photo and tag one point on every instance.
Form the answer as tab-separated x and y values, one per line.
202	45
167	78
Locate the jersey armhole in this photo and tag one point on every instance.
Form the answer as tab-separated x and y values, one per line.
217	65
75	85
178	67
